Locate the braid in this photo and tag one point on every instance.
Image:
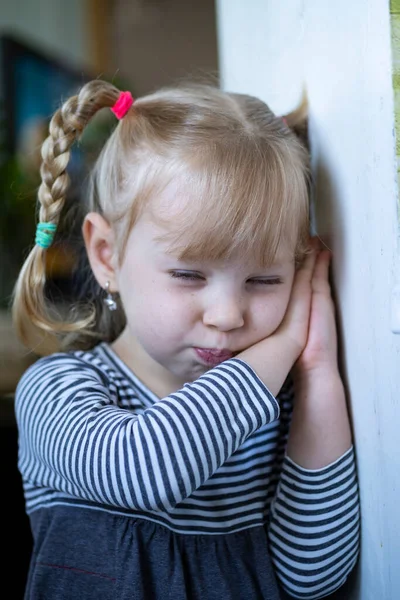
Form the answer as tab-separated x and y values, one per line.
33	318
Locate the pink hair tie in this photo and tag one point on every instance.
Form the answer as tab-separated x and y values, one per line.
122	105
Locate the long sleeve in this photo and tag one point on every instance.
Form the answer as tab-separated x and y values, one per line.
74	438
314	527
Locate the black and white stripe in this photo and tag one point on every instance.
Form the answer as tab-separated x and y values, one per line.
314	528
75	438
204	460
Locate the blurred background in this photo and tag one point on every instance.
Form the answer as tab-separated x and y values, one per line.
346	57
48	49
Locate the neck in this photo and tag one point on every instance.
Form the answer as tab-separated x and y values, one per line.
155	377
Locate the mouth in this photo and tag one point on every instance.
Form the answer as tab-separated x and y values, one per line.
214	356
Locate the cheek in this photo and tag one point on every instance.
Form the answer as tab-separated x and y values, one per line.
160	323
152	306
174	314
283	301
270	311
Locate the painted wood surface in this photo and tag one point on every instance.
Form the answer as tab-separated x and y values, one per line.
340	53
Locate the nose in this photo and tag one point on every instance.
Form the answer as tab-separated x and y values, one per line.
225	313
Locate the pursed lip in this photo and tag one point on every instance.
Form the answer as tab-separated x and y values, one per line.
214	356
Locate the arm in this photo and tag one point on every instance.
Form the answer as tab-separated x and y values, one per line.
75	439
314	528
320	430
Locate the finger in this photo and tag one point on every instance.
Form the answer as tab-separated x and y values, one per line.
315	243
300	299
320	280
306	269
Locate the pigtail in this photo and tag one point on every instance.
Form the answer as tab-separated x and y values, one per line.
33	315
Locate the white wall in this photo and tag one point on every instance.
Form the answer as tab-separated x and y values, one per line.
340	52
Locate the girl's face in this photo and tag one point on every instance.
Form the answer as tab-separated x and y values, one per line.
184	318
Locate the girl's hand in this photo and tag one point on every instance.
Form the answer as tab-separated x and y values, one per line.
295	325
274	357
320	429
320	350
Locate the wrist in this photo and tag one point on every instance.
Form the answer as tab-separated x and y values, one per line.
320	430
326	371
324	384
272	359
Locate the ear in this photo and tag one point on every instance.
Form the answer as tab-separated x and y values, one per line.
100	248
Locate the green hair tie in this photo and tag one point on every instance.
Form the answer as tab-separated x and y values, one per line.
45	234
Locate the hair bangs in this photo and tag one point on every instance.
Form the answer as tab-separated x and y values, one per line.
239	199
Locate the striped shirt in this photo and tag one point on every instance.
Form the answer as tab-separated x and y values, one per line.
207	459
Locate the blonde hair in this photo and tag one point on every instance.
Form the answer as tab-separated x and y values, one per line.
245	170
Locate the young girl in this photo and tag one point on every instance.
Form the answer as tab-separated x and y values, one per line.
161	451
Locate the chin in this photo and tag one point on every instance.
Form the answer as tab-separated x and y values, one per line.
193	373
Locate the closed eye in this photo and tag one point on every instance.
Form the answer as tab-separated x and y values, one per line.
194	276
186	275
265	281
